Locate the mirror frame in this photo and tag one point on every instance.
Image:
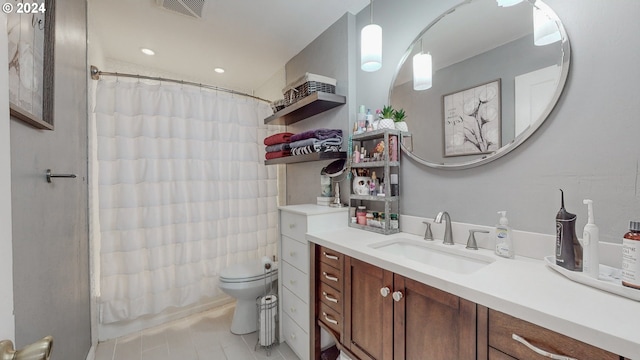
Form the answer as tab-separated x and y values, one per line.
505	149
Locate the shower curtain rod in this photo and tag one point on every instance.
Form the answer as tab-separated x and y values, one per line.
96	73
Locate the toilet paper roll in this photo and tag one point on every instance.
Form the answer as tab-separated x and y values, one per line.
268	315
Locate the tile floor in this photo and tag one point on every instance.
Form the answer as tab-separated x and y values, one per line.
203	336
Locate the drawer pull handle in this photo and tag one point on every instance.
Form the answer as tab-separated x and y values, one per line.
329	256
385	291
292	282
292	336
329	277
540	351
291	226
397	296
326	317
293	309
292	253
330	298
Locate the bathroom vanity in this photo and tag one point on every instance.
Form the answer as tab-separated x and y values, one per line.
379	305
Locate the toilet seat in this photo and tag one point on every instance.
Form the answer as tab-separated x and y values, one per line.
247	272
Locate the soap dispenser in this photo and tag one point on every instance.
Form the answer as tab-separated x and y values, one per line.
590	238
504	240
568	248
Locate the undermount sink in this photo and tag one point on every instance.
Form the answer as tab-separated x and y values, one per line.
457	260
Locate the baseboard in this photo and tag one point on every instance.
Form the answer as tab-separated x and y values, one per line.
116	330
92	353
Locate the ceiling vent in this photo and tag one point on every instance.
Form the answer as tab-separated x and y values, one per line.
191	8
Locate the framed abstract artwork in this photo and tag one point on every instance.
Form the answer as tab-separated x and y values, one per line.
31	34
472	120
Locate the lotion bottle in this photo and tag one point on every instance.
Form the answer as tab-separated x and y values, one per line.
590	238
504	240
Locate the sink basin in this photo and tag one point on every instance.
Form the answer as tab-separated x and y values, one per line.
458	260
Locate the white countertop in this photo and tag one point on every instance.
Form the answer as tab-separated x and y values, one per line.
521	287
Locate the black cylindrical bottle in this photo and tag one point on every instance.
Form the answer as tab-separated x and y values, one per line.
568	248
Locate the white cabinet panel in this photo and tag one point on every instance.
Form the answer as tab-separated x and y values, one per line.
297	309
295	253
296	281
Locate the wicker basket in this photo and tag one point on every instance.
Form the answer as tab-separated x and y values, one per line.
307	85
278	105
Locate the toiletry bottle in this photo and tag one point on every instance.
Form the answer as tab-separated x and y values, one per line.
631	256
356	155
504	240
568	248
590	238
373	190
362	117
393	148
395	188
361	215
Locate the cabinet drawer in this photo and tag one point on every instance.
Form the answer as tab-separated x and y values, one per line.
331	276
296	253
296	337
331	297
296	281
331	257
498	355
330	318
293	225
502	327
297	309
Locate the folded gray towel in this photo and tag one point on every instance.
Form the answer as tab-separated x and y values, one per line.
277	147
304	142
320	134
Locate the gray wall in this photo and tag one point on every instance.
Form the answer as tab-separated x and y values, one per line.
424	108
332	54
588	146
50	235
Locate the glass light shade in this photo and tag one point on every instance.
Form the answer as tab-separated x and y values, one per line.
422	71
545	31
371	48
507	3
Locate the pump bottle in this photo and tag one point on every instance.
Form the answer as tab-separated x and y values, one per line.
590	239
504	240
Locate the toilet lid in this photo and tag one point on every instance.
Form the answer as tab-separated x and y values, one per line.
247	271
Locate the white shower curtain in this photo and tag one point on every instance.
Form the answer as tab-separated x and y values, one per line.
183	192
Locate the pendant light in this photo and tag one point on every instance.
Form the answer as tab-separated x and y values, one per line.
371	45
545	30
507	3
422	70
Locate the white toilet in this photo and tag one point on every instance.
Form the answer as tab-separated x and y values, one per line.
246	282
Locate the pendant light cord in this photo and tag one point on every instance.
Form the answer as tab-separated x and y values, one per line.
371	10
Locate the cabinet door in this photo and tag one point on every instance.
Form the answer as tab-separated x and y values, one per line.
432	324
368	314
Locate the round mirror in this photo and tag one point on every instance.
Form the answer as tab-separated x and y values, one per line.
496	72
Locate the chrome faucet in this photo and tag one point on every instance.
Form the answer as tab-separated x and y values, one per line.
448	237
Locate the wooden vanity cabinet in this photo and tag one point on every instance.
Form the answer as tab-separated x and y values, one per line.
387	316
502	346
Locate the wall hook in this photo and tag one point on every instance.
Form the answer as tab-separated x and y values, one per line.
49	175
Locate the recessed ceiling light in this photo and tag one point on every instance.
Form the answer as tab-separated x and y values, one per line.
219	70
147	51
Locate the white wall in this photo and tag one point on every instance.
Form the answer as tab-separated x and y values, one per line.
272	88
7	320
588	146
